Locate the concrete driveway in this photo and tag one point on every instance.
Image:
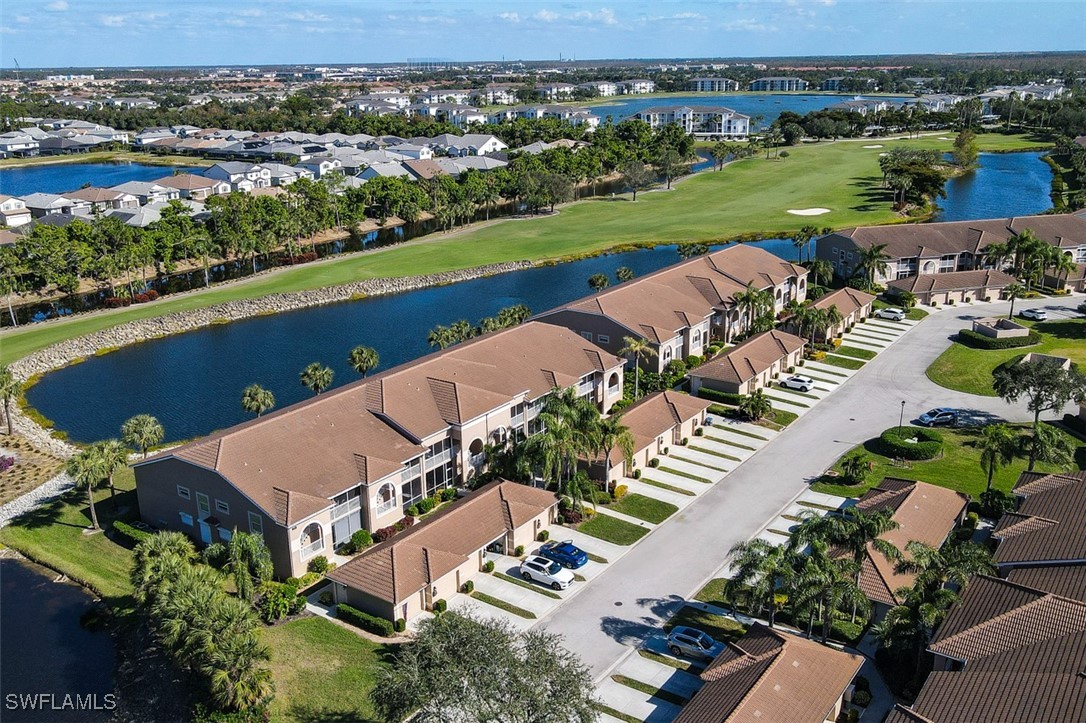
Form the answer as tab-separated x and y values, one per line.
628	602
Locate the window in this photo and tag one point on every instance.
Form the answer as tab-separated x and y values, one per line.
587	335
850	256
225	534
602	338
222	507
183	493
256	524
386	498
203	505
312	540
186	519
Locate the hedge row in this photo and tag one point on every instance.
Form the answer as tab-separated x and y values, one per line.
370	623
975	339
716	396
126	530
893	443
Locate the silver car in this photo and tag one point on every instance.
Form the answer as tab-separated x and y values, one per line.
891	313
693	643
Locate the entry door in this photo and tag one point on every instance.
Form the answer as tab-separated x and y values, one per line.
205	532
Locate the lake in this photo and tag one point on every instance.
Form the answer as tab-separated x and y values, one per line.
753	104
46	654
192	382
61	177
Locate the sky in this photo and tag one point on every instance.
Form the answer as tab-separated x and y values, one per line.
92	33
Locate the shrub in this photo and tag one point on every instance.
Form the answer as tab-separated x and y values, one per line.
370	623
861	698
129	532
488	566
279	600
894	443
543	536
518	551
993	503
862	683
971	520
685	441
675	367
307	579
637	474
620	491
468	587
318	564
816	355
426	504
400	625
325	598
440	606
412	511
950	302
699	431
6	463
654	462
448	494
360	540
975	339
716	396
694	361
214	554
571	517
667	450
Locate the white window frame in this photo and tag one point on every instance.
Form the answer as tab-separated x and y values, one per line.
225	534
183	492
223	507
203	504
186	519
603	338
256	524
587	335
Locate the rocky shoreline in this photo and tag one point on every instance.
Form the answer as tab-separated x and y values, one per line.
133	332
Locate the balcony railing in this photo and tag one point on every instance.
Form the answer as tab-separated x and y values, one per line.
477	460
312	548
352	505
386	506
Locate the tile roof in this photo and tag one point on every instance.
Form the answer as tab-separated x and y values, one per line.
409	561
95	194
768	675
1066	580
656	414
924	512
187	182
847	300
1050	523
750	358
954	281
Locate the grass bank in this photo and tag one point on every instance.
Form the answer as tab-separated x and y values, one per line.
966	369
749	197
106	157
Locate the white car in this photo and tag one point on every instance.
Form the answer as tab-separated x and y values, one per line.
547	572
799	382
891	312
1035	314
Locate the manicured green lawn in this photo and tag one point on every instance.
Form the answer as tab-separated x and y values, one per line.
612	529
721	628
843	362
713	592
958	468
965	369
322	672
751	196
53	535
644	508
503	605
855	352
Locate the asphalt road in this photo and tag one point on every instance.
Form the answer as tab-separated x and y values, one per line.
627	603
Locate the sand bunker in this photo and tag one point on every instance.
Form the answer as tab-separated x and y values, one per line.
873	146
884	154
945	138
808	211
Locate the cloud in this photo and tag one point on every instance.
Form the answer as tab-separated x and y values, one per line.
604	16
58	6
748	25
510	17
546	16
112	21
307	17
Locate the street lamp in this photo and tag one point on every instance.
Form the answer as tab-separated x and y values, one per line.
901	420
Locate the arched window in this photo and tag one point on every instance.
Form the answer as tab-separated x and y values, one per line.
312	539
385	499
696	339
476	446
778	295
667	353
612	382
929	267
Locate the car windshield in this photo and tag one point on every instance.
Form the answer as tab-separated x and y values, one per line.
932	413
553	568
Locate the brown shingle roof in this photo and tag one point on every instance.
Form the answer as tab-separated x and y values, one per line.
847	300
408	562
1066	580
94	194
424	168
656	414
768	675
953	281
924	513
747	360
1050	524
187	182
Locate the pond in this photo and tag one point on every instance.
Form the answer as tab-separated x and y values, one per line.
61	177
1004	184
51	668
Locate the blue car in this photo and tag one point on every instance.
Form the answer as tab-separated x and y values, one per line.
565	553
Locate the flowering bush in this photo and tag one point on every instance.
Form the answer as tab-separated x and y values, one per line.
115	302
6	463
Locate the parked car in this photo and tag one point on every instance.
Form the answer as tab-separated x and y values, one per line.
564	553
547	572
1035	314
798	381
710	420
939	416
692	643
891	312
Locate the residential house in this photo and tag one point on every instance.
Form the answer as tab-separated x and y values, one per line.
240	175
1049	527
389	169
924	513
148	192
712	85
48	204
750	365
319	166
460	116
469	144
680	308
779	84
953	287
16	144
418	153
555	91
445	95
637	86
281	174
103	199
656	422
197	188
372	448
602	88
770	675
13	211
713	122
937	248
130	103
425	170
852	304
404	576
832	85
863	106
496	94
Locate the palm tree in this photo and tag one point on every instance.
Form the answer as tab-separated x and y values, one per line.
998	445
10	388
996	255
363	359
761	569
824	585
461	330
611	433
113	456
638	347
624	274
872	262
85	469
440	337
1063	266
513	315
801	239
754	302
756	405
1012	292
142	432
316	377
854	468
831	319
255	399
910	625
237	681
1049	444
599	282
821	270
250	562
154	552
951	564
